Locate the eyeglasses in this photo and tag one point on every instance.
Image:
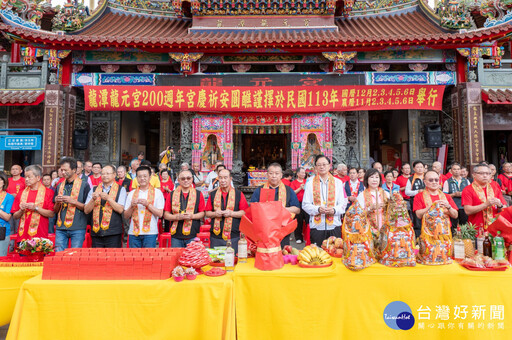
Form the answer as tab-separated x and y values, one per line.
483	173
431	180
185	178
322	165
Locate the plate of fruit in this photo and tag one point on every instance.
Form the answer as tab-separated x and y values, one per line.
334	246
314	257
215	272
484	263
289	250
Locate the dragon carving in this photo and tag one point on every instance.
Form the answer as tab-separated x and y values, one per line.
495	9
27	10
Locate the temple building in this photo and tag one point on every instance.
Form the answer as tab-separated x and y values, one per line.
252	82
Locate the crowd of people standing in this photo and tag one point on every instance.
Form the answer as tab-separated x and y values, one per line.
476	200
142	202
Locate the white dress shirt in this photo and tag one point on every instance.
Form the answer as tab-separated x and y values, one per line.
159	203
354	185
122	194
339	205
209	179
408	188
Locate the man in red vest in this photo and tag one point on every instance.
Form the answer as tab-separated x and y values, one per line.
481	200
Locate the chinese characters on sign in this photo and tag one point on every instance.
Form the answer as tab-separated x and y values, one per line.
50	136
461	317
266	99
20	142
475	123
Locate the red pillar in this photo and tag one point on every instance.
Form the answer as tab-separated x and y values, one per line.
66	70
15	52
461	69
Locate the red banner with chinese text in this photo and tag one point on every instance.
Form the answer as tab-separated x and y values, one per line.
297	99
259	119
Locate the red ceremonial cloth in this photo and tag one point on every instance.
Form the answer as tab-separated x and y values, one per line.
266	224
267	195
503	223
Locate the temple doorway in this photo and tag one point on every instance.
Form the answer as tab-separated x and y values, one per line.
259	150
389	133
498	145
140	131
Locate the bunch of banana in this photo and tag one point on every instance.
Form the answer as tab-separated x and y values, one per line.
314	256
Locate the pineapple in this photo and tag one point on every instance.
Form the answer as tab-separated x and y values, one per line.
468	235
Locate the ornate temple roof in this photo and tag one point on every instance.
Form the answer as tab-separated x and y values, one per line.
497	96
123	24
113	29
21	97
122	27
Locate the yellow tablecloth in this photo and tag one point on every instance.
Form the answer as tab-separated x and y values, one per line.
159	309
326	303
11	279
336	303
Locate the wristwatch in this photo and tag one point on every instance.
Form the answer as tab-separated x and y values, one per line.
37	208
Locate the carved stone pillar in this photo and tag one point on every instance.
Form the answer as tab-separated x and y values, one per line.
69	122
414	135
175	132
82	121
186	137
364	139
470	96
353	145
458	133
339	139
237	173
115	151
175	138
3	71
105	142
53	111
165	129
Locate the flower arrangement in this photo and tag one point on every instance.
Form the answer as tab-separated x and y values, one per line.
190	273
35	245
178	274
